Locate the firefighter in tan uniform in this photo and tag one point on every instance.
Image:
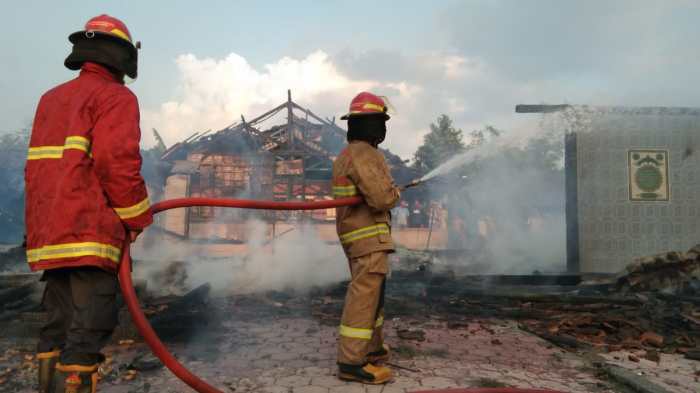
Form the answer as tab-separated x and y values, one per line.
365	233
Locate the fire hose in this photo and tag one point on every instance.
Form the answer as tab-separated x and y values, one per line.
145	328
132	302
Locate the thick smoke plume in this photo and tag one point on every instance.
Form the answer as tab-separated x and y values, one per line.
510	201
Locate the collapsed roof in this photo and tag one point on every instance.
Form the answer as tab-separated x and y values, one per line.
304	135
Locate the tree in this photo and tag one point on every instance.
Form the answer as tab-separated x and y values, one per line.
442	142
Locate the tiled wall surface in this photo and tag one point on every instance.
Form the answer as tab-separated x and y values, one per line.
613	229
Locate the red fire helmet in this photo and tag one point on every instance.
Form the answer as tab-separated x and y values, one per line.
107	26
367	103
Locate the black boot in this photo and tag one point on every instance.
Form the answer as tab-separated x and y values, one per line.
369	373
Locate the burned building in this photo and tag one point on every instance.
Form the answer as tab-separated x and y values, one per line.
291	161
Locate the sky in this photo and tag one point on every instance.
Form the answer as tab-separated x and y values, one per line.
201	67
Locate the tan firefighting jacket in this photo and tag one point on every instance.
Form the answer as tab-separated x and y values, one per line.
360	169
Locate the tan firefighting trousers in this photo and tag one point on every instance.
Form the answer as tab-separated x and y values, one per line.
363	315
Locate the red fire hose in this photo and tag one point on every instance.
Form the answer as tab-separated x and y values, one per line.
488	390
150	336
132	302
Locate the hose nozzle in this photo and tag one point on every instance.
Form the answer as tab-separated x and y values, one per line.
411	184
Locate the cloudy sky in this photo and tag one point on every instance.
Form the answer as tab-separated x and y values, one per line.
201	67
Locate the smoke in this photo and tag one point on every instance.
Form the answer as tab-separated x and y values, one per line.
517	211
509	199
296	260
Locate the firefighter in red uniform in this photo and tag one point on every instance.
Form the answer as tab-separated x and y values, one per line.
84	197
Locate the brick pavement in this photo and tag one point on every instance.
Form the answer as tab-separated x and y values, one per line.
297	355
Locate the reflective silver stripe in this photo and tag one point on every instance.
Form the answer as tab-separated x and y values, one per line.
362	233
347	331
54	152
344	191
72	250
133	211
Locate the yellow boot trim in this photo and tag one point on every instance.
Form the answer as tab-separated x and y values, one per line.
78	368
381	375
48	355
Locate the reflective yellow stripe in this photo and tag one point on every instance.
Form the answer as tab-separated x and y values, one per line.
48	355
347	331
75	368
369	105
380	321
344	191
72	250
362	233
133	211
38	153
78	143
53	152
120	34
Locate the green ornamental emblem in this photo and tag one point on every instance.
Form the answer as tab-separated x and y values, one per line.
648	178
648	175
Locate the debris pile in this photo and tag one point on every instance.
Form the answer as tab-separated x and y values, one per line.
671	272
649	324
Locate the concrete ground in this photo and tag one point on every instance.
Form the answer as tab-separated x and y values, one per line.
295	355
672	372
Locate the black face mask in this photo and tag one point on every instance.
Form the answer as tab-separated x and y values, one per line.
108	52
368	128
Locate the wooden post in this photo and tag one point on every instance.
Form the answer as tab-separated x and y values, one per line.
290	121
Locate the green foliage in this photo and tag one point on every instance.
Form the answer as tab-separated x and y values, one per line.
442	142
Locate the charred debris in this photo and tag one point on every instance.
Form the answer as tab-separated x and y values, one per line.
652	307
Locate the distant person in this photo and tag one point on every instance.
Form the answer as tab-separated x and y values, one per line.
402	214
535	221
459	232
417	219
84	197
365	234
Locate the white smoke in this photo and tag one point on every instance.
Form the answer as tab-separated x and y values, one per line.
295	260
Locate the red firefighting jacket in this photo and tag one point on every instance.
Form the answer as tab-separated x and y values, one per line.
83	186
